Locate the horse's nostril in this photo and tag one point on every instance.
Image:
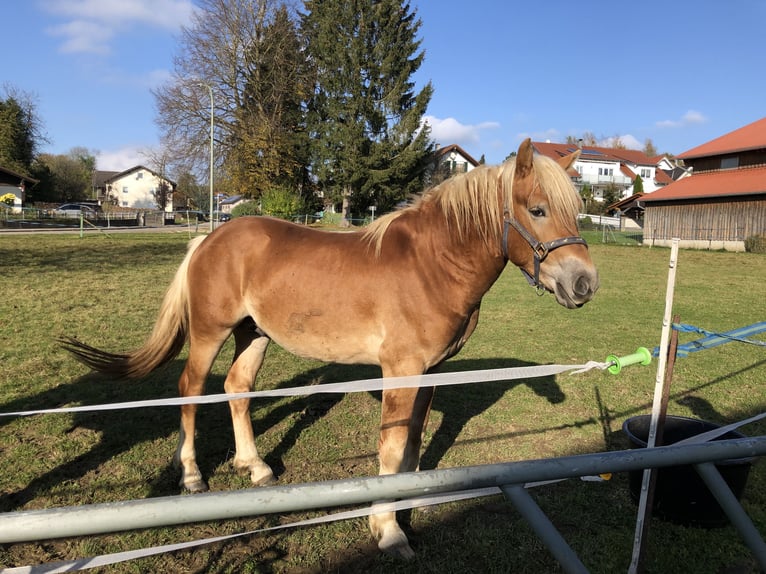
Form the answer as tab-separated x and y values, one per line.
582	286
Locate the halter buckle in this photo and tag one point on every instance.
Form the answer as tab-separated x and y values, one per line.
540	250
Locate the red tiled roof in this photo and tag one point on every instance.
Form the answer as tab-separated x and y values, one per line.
748	181
751	136
634	156
627	172
662	178
631	155
442	151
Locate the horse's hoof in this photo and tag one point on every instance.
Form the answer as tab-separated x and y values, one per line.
195	486
263	480
260	473
394	543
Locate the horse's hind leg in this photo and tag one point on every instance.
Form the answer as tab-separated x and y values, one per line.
202	353
248	357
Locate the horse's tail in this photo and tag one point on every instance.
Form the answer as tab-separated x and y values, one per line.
163	344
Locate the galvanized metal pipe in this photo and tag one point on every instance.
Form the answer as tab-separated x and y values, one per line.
154	512
544	529
733	509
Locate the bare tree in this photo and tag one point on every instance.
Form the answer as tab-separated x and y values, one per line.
158	160
649	148
220	55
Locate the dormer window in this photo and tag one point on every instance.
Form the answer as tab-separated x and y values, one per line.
730	162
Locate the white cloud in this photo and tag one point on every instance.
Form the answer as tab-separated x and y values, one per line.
121	159
689	118
83	37
90	25
627	140
449	130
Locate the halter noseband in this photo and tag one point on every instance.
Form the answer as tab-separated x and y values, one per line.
540	250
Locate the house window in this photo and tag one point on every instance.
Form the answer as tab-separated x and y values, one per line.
729	162
140	175
646	173
125	204
124	189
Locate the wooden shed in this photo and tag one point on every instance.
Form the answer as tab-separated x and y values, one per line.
722	203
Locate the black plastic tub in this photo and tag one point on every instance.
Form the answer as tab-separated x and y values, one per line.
680	495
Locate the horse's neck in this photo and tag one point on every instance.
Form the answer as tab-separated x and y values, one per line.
469	259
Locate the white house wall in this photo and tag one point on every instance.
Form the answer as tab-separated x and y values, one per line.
137	189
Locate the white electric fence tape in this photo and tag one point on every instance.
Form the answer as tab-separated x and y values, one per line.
429	380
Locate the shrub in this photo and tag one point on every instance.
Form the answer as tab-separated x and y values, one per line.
246	208
281	202
756	243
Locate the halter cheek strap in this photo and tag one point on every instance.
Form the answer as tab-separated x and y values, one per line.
540	250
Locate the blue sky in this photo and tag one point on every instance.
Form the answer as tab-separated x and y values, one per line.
680	73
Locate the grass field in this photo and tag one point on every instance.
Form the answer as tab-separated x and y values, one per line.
106	291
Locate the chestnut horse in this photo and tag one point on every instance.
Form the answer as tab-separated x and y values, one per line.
403	294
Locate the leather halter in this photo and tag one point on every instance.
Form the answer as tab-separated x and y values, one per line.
540	250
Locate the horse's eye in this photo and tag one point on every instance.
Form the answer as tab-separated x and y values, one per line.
537	212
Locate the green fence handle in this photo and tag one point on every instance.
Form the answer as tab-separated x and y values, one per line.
641	356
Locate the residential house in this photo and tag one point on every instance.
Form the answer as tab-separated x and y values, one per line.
603	168
448	161
15	183
226	205
722	203
136	187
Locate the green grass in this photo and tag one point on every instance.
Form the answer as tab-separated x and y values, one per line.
106	291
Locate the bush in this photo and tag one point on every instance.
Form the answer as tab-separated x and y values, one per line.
281	202
246	208
756	244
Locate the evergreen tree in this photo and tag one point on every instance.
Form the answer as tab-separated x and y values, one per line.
272	148
17	138
638	185
368	146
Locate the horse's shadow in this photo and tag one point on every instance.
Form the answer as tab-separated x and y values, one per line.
118	433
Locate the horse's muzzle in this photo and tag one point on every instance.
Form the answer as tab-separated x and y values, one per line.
575	289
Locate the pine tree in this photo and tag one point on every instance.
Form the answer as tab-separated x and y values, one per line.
368	146
272	150
17	141
638	185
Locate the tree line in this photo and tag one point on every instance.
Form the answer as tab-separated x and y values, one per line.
314	102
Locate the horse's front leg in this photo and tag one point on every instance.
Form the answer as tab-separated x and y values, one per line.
248	358
403	418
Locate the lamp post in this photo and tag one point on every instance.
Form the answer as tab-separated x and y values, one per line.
210	90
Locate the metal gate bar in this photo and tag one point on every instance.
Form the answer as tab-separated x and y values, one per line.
733	509
63	522
544	528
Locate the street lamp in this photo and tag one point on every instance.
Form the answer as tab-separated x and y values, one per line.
210	89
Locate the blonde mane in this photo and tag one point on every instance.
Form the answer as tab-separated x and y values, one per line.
472	201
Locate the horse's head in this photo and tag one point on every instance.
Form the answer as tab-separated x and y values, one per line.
540	229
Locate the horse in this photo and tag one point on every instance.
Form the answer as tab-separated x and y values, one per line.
403	294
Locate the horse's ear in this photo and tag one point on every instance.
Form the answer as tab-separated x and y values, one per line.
568	160
524	158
